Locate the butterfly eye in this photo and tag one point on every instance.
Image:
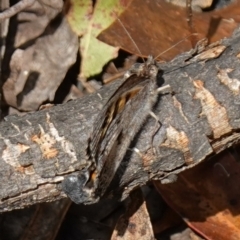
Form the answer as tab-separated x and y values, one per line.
153	70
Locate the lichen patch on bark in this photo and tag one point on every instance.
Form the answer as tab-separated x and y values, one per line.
232	84
216	114
178	140
45	142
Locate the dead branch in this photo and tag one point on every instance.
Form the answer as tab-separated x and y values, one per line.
199	119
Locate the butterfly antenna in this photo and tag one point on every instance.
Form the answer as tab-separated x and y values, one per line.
173	46
130	37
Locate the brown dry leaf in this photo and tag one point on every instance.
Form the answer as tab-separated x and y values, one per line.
157	25
207	197
40	221
169	219
32	21
135	223
37	71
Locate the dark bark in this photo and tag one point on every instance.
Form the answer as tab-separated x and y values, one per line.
200	118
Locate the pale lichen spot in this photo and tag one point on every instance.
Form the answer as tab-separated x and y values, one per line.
66	145
178	105
232	83
211	53
45	142
178	140
12	152
16	127
215	113
29	170
26	136
25	72
238	55
23	147
99	95
28	122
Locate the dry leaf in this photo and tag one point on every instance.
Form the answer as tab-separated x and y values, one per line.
156	26
207	197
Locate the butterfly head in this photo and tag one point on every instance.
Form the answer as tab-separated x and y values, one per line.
147	69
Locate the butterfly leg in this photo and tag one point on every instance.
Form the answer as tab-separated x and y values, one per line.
162	90
155	129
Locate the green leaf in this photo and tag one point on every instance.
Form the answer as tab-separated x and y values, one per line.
89	23
79	14
97	54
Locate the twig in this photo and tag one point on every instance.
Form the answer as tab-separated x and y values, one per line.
191	27
18	7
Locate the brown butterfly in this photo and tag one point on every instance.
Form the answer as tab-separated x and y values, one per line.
115	127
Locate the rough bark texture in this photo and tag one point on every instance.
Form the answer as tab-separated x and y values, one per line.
199	119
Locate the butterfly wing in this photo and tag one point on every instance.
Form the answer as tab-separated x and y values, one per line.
112	108
121	134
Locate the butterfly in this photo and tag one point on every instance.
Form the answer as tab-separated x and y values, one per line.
115	127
